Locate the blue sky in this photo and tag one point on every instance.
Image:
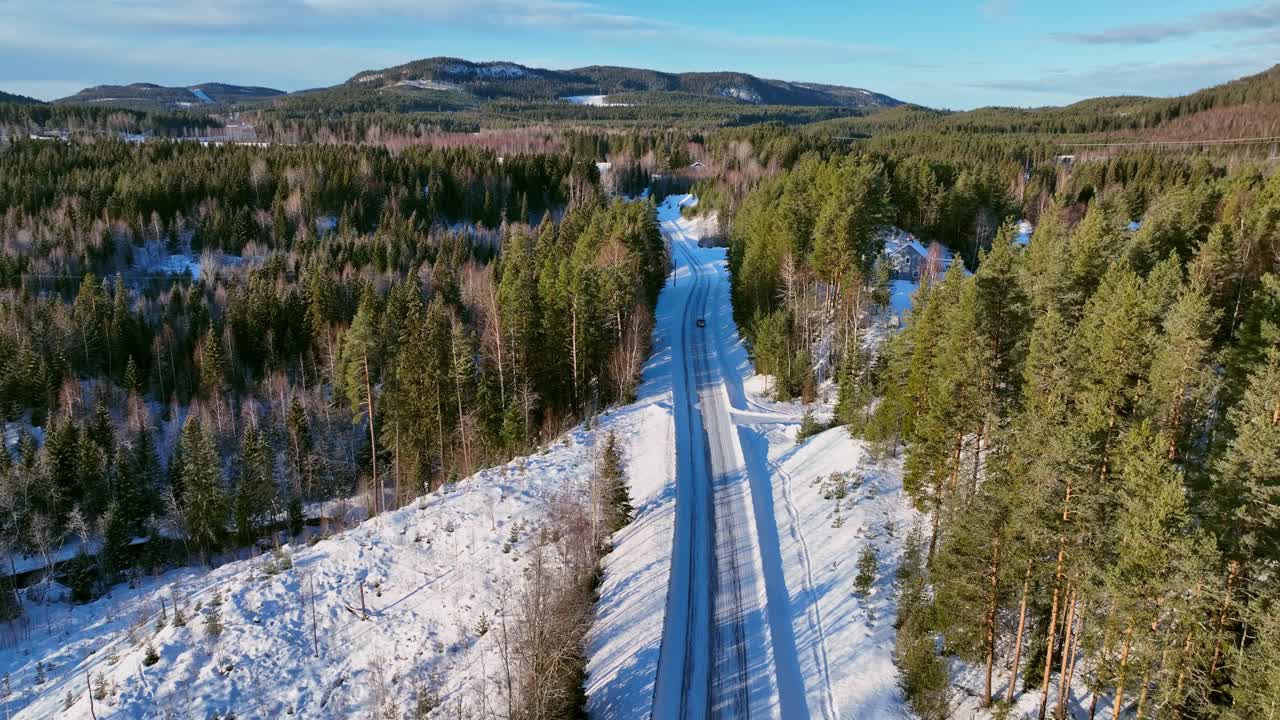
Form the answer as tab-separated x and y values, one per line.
944	54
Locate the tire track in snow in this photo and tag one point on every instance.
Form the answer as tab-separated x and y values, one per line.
690	529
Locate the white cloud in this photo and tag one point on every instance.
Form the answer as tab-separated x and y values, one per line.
1252	17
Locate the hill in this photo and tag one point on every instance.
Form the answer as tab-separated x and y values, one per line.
500	79
1242	108
149	96
18	99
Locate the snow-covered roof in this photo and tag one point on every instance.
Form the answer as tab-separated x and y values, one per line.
896	241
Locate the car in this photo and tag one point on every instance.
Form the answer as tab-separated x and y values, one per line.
701	323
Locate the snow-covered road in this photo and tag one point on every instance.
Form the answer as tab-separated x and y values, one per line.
731	593
728	646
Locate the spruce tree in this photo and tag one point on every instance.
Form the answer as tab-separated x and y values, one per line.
358	375
255	500
204	499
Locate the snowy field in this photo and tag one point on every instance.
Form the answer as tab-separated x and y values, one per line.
593	100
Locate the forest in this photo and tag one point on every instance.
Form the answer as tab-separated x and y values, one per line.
1090	422
340	320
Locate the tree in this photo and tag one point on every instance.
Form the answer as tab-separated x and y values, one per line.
867	569
203	497
1247	494
1181	378
256	498
358	374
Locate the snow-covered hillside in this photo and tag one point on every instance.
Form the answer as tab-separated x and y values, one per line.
433	573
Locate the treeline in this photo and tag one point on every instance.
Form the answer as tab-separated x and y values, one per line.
20	117
275	194
1092	427
389	354
806	250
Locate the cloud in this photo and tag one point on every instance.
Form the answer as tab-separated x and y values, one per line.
997	9
1148	78
260	16
1253	17
1265	39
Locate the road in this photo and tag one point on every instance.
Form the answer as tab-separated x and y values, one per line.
728	648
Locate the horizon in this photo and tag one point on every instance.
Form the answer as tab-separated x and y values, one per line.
53	51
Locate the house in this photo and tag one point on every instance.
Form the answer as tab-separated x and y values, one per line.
912	259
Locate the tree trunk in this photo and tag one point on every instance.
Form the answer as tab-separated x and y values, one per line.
1068	635
1233	570
373	441
1053	627
990	620
1022	625
1124	667
1075	646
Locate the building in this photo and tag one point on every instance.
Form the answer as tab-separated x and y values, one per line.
911	259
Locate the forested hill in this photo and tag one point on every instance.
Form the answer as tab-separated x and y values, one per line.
1246	107
18	99
510	80
149	96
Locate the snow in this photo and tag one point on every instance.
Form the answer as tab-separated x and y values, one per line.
428	85
901	296
593	100
179	265
848	637
818	650
497	70
429	571
741	93
201	95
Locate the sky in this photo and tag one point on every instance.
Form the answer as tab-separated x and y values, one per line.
956	54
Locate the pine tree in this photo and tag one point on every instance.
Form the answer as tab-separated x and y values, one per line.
1255	691
1154	556
213	364
611	475
868	566
116	539
1181	380
1247	490
300	445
